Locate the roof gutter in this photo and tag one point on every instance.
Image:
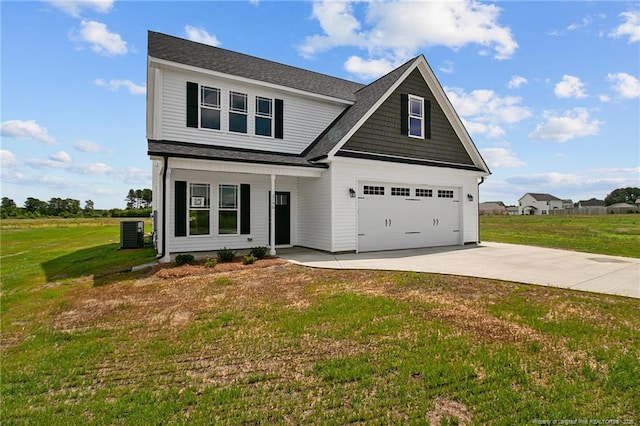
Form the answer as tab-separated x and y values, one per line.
480	182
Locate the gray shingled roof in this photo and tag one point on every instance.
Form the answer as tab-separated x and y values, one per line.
365	99
543	197
209	152
200	55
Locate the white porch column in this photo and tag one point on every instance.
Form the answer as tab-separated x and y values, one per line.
272	225
166	233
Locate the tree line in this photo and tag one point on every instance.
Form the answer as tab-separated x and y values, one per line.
138	204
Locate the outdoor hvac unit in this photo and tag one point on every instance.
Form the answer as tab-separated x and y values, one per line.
131	234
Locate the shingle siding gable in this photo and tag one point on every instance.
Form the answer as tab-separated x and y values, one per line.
381	133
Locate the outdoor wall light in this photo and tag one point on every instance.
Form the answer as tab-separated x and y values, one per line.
469	197
352	193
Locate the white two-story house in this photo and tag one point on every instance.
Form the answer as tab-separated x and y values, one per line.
248	152
540	204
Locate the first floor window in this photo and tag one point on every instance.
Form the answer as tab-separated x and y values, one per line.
238	112
373	190
199	208
228	209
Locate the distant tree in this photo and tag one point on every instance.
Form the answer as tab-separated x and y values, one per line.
8	208
131	199
33	206
622	195
147	197
88	208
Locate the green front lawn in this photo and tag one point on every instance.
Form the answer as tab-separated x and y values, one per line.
84	342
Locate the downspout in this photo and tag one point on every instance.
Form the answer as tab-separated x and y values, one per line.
164	206
479	183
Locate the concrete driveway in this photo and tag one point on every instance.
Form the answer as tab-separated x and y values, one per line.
525	264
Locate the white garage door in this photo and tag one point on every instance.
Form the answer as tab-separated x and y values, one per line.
392	216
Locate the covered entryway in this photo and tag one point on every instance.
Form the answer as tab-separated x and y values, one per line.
395	216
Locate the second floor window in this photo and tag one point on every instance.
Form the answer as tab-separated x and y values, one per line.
264	116
416	116
238	112
209	108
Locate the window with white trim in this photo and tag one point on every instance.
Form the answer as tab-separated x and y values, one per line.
199	208
228	209
209	108
373	190
445	193
400	192
416	117
238	111
264	116
421	192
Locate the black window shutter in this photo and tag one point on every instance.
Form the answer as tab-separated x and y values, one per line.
245	208
279	113
192	104
404	114
181	209
427	119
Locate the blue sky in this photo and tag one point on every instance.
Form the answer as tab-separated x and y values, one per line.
549	91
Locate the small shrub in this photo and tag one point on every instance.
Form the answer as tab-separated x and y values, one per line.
210	262
184	259
223	281
226	255
248	259
259	252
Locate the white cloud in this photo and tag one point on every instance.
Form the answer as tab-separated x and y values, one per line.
516	81
572	124
396	31
134	175
447	67
498	158
75	7
604	98
115	85
61	156
368	69
87	146
62	161
201	35
484	110
7	159
585	22
19	129
570	87
629	28
626	85
102	40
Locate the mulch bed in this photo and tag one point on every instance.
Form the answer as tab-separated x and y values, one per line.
171	270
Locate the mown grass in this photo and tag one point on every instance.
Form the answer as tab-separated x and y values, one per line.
295	345
617	235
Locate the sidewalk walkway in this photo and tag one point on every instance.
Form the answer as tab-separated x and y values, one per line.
525	264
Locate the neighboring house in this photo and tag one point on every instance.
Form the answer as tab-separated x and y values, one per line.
248	152
590	203
493	207
567	204
538	204
622	208
512	210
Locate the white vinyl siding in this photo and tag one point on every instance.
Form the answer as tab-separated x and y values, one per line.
304	118
315	212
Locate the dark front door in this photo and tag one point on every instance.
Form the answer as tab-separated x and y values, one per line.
283	218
